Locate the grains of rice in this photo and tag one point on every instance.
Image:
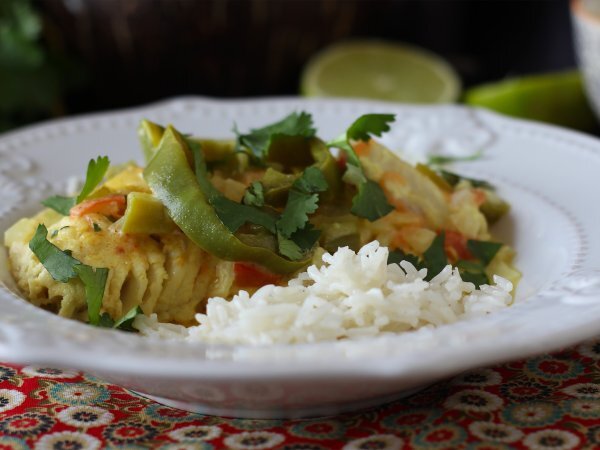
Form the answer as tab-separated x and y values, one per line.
352	295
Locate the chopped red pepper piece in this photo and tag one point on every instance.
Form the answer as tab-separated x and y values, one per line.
249	275
455	246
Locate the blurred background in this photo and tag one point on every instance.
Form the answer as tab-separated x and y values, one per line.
63	57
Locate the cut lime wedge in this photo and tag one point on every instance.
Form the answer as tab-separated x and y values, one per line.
557	98
382	71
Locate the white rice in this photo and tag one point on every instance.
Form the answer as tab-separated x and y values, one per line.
352	295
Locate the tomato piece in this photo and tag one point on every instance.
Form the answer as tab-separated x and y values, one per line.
109	206
249	275
341	161
455	246
480	196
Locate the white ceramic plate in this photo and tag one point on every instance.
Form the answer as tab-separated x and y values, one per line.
549	175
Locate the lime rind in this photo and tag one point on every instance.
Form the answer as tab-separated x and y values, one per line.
380	70
558	98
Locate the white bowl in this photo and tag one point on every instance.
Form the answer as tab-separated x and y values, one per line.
550	176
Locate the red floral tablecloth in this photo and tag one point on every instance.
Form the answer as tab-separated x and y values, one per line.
542	403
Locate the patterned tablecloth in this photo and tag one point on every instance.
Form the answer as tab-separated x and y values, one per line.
551	402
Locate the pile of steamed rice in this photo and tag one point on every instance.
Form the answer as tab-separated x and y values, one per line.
352	295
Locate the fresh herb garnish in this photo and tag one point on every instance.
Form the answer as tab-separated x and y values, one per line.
435	256
440	160
63	267
232	214
94	281
295	215
254	195
484	250
396	256
453	179
106	321
95	173
294	232
434	259
60	204
93	177
289	248
259	140
303	200
97	227
58	263
125	323
472	271
361	130
306	237
370	201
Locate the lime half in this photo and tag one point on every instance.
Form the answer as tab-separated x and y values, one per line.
382	71
557	98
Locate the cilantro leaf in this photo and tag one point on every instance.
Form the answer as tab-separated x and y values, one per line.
201	171
105	321
95	174
342	143
259	140
354	175
306	237
435	256
295	215
288	248
434	260
453	179
312	180
361	130
125	323
63	267
303	199
97	227
370	124
94	281
255	195
473	272
59	264
440	160
234	215
60	204
370	201
396	256
484	250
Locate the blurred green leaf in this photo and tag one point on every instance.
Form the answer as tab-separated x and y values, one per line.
32	77
20	29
